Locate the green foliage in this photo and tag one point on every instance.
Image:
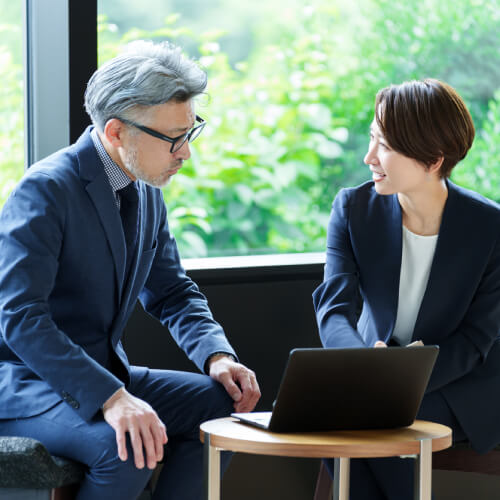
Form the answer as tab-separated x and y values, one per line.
289	104
11	99
480	170
287	126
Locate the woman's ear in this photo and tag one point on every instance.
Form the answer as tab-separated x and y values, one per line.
436	166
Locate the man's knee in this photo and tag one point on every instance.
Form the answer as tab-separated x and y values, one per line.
107	457
221	402
111	466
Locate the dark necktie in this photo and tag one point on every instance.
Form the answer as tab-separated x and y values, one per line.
129	212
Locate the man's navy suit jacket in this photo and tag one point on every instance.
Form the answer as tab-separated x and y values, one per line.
64	296
460	310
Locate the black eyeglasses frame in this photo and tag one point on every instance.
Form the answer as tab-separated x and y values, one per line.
177	142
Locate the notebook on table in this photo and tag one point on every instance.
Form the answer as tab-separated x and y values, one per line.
355	388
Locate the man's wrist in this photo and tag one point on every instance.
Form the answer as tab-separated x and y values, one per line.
216	356
112	398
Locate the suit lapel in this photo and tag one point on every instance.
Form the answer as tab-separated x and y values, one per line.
378	250
126	295
446	260
111	223
393	255
101	195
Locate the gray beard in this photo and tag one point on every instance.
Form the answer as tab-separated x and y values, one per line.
132	165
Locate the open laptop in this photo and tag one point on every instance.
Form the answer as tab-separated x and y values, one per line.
356	388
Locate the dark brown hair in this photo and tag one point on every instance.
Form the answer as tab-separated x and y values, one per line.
425	120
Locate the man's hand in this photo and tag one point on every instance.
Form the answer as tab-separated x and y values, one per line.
126	413
238	380
380	343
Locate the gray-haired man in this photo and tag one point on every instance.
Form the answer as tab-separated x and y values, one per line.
83	236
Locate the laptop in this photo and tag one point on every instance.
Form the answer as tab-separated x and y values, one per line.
347	389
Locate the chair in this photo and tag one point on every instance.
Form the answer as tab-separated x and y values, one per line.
460	457
29	472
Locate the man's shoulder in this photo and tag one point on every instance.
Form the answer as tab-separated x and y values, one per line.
60	163
64	166
59	170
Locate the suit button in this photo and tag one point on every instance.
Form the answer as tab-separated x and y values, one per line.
75	404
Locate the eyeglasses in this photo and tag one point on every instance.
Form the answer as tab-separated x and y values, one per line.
177	142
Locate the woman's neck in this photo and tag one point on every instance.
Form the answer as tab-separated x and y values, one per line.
422	210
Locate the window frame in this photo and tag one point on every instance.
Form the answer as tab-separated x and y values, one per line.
58	65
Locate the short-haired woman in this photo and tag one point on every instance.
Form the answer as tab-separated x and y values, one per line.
423	257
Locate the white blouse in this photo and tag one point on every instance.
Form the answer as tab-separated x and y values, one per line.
416	261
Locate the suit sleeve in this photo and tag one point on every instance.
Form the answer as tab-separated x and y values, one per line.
336	300
468	346
172	297
31	238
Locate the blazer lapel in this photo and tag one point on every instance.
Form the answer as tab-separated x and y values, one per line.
393	255
378	250
126	295
111	223
101	195
445	262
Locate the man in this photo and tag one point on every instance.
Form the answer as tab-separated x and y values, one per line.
82	237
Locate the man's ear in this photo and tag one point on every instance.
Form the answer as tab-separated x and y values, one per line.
113	132
434	167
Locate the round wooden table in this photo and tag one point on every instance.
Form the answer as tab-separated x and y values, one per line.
420	439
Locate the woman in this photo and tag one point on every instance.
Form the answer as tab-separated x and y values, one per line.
413	257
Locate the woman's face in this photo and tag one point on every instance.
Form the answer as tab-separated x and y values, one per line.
393	172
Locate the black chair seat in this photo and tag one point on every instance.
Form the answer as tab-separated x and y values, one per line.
461	457
26	463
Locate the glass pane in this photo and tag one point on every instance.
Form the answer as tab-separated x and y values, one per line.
291	93
11	97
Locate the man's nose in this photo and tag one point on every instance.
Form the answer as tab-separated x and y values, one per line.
183	153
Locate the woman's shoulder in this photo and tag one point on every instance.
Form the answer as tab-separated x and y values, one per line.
472	201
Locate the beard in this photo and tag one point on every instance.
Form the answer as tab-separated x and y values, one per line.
131	163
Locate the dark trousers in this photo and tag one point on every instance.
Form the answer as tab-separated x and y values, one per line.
182	400
393	478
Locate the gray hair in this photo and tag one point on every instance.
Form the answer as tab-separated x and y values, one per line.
144	75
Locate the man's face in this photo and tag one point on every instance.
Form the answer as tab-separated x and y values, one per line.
149	158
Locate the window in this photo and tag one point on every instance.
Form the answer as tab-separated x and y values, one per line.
290	100
11	97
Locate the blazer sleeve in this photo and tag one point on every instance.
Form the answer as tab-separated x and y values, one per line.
31	238
336	301
173	298
467	347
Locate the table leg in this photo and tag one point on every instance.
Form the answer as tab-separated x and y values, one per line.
341	478
211	466
423	469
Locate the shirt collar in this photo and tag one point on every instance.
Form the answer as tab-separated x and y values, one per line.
118	179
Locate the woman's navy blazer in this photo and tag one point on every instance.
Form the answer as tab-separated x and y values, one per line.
460	310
